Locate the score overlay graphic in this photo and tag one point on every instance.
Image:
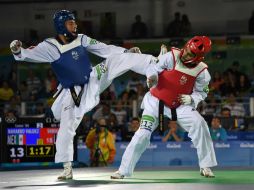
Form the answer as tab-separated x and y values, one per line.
29	139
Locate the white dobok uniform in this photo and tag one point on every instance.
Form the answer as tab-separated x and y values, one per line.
187	116
101	76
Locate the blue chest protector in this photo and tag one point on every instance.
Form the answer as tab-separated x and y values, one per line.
73	67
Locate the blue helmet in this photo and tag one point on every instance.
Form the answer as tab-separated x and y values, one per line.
60	17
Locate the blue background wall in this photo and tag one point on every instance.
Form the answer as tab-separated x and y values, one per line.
233	153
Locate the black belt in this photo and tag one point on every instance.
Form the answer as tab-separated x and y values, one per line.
161	116
76	98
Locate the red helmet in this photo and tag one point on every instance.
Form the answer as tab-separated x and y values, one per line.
199	45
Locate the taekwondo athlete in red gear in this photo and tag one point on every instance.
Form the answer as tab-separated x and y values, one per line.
178	82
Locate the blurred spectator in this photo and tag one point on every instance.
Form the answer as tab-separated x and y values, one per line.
251	23
23	91
229	86
133	83
234	69
113	124
119	87
218	133
225	112
120	113
173	133
139	97
102	112
244	85
126	101
13	82
140	93
13	105
213	105
33	83
39	109
129	131
185	26
108	26
236	108
107	95
138	28
216	82
5	92
84	128
50	82
133	127
174	27
135	122
101	143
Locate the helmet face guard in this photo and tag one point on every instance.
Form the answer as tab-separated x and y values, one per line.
60	17
199	46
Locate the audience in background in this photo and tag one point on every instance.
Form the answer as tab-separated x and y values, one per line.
24	92
101	143
6	93
50	83
179	27
33	84
132	128
174	27
244	85
236	108
173	133
218	133
185	26
225	112
102	111
212	105
216	82
227	120
84	128
13	105
120	113
138	28
229	85
132	84
108	26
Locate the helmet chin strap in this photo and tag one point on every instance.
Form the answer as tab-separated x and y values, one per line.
190	64
70	37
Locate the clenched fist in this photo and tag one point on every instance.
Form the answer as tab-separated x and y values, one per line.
134	50
185	99
16	47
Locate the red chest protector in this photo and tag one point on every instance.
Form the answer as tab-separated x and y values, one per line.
179	80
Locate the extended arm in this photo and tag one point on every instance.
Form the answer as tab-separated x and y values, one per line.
43	52
99	48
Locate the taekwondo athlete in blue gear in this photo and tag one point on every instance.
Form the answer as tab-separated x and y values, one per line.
80	83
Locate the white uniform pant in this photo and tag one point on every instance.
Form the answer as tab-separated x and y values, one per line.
187	117
101	77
